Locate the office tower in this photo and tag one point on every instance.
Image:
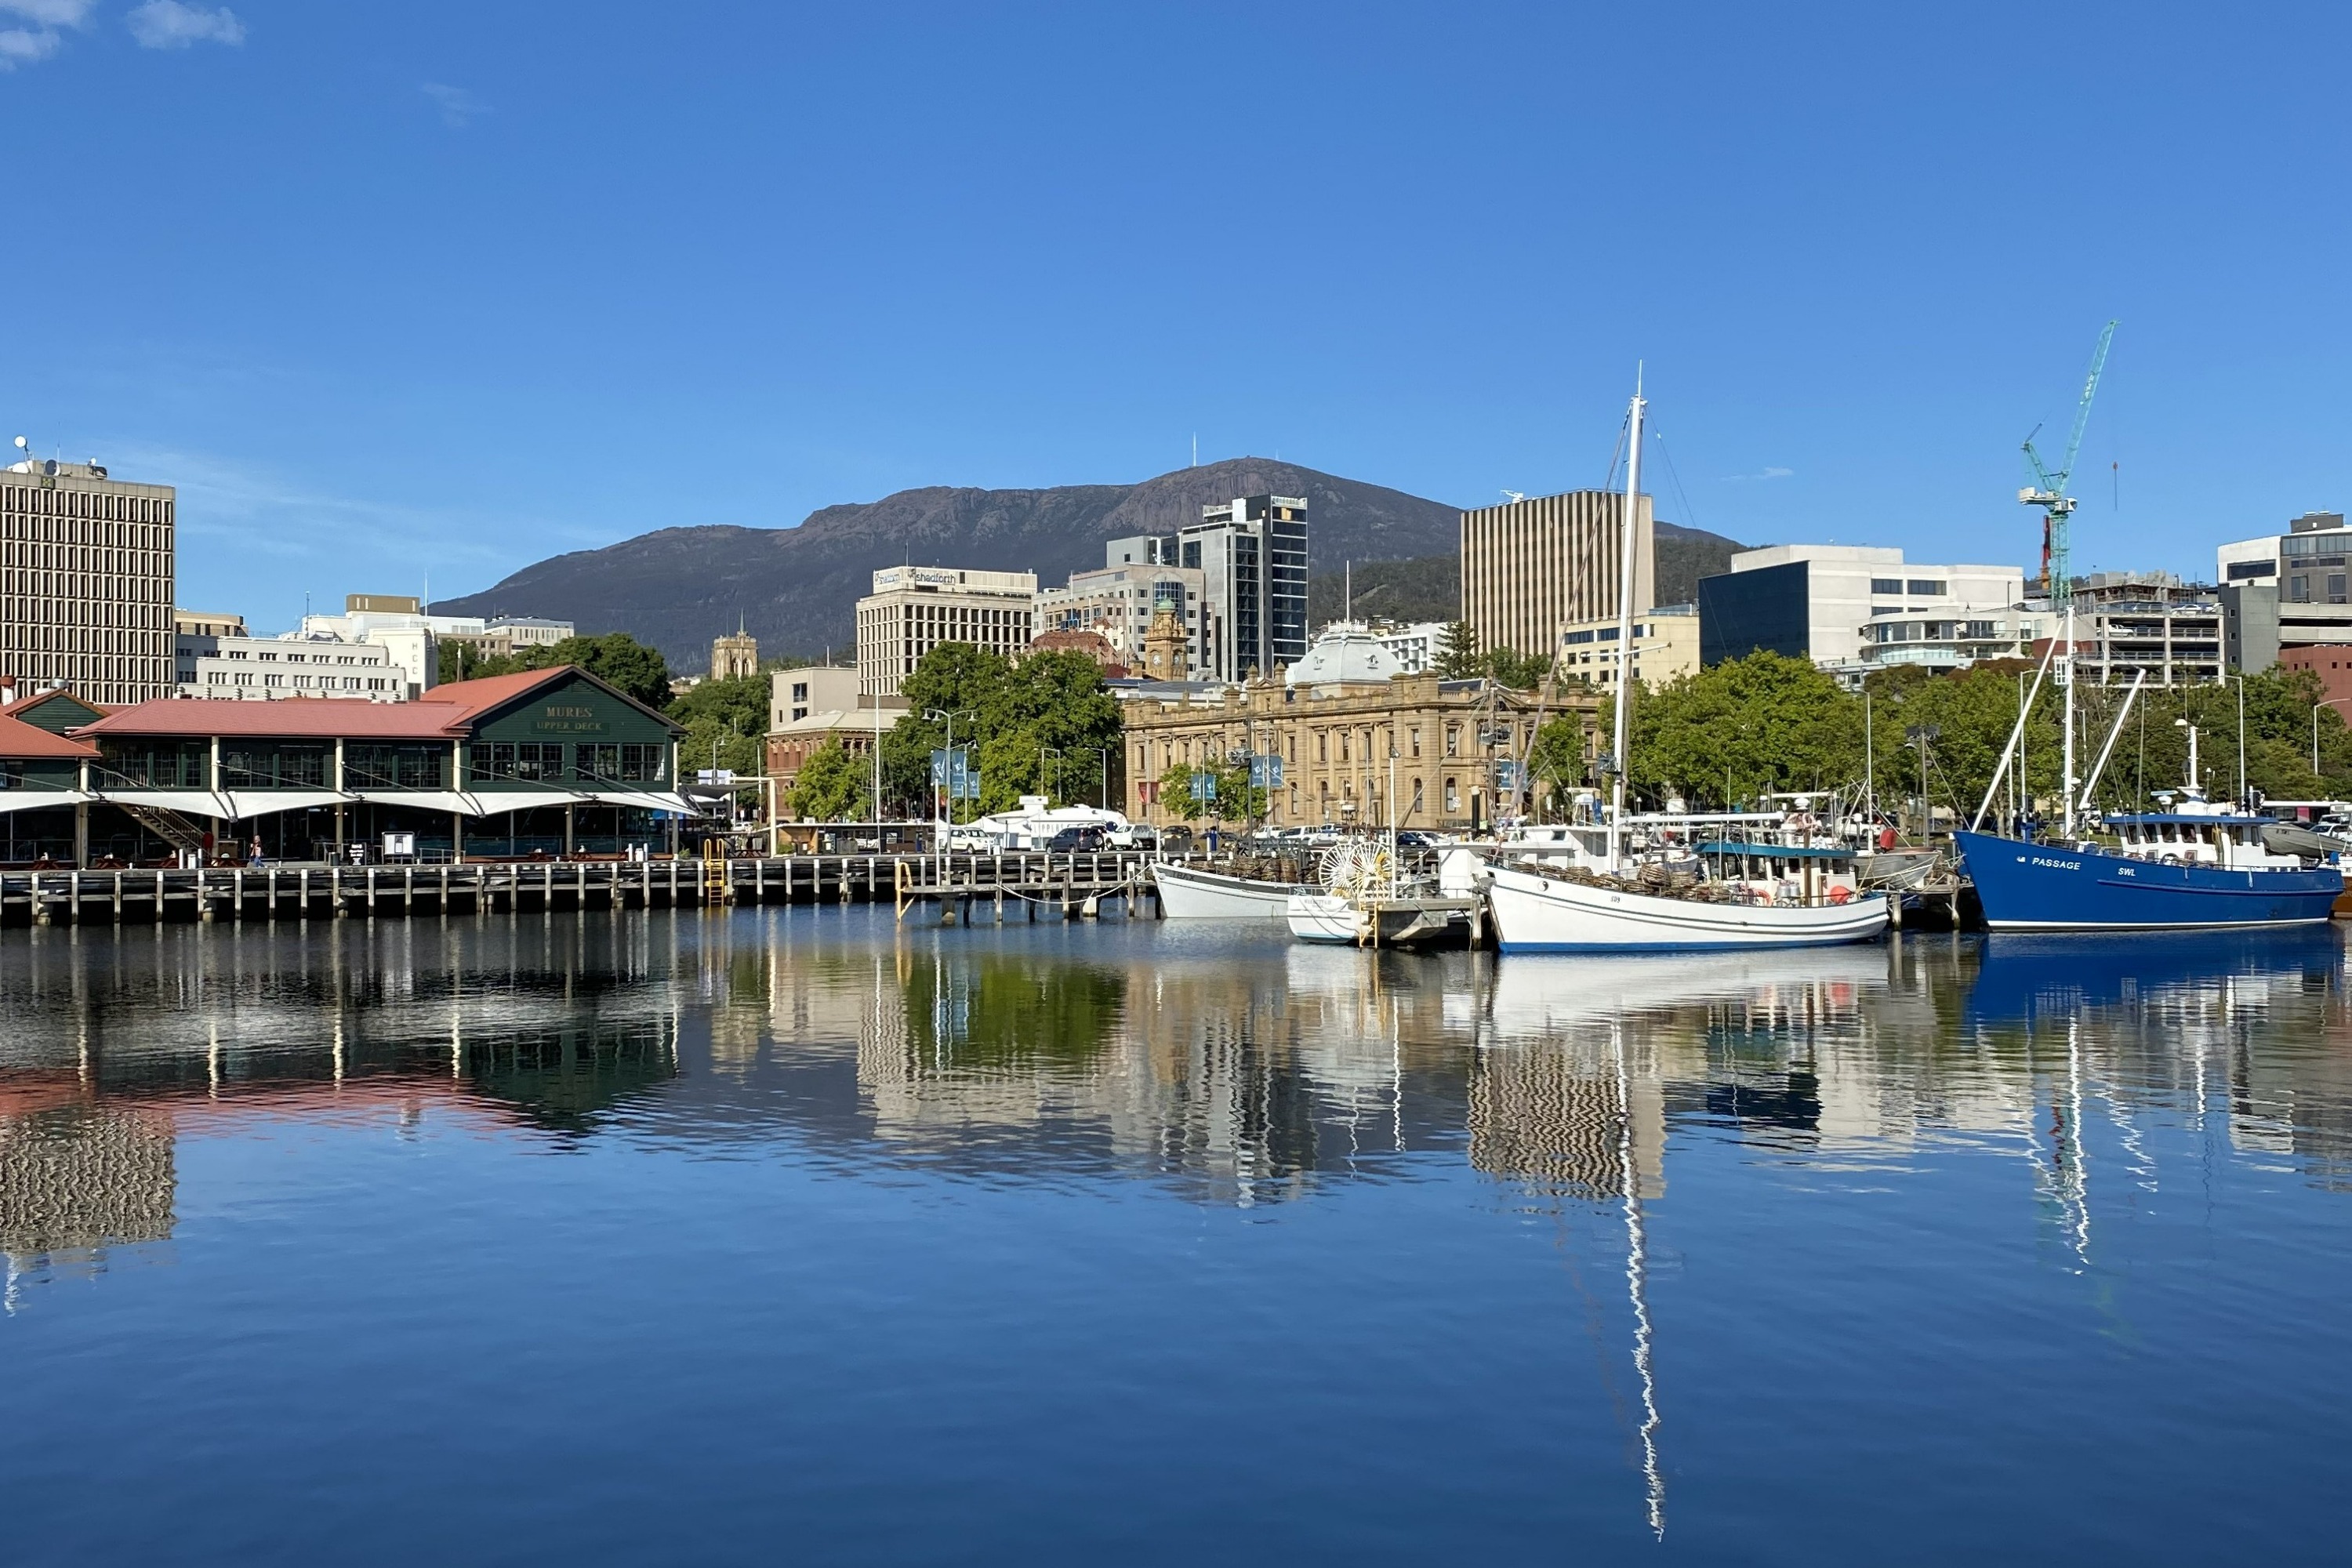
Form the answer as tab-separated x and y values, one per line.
1530	568
86	578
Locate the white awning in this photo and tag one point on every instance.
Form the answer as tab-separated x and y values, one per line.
643	800
245	804
186	802
447	801
498	802
39	799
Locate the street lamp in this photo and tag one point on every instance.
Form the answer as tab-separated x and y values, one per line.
1043	753
947	769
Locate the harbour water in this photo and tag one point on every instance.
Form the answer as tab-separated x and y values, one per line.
789	1235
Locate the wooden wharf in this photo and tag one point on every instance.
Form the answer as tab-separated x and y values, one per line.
945	886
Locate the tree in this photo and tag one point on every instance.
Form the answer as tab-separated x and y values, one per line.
1521	672
832	786
616	659
1236	799
1556	761
1016	718
1457	652
1743	727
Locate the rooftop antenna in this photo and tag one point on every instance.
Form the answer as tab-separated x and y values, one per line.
24	447
1196	449
1347	600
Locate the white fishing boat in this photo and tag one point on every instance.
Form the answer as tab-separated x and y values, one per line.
1746	892
1322	917
1190	893
1538	913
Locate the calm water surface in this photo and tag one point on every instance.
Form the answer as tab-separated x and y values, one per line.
788	1235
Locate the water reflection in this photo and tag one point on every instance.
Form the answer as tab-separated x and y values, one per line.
1228	1069
1246	1072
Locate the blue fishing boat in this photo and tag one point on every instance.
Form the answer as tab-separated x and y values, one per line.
2197	865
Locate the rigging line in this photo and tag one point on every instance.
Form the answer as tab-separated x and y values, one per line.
1690	518
1609	479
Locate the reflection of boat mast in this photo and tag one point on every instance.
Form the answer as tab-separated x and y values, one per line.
2074	1172
1637	1286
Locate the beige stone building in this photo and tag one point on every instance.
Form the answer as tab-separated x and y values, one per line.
1665	646
1532	567
914	609
1336	740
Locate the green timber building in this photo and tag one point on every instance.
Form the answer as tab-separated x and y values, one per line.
545	762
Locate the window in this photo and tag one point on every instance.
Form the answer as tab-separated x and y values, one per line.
1415	733
1453	748
799	713
800	690
1930	587
418	765
535	760
1887	584
492	760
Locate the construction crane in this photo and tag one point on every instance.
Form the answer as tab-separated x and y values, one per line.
2048	490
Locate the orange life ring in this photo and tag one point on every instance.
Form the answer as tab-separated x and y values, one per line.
1841	894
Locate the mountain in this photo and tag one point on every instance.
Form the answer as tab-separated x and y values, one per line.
795	589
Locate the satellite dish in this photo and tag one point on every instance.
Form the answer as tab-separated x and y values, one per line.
20	442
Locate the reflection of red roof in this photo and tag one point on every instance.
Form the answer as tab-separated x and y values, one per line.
19	739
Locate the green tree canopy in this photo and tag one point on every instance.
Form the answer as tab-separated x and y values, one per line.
1457	652
1033	726
832	786
1743	727
615	657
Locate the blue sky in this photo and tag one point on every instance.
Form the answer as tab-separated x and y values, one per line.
388	289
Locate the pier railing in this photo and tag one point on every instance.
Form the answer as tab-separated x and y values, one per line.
1026	883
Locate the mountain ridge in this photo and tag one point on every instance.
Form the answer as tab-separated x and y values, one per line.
795	588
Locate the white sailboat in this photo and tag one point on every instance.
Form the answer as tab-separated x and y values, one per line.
1755	895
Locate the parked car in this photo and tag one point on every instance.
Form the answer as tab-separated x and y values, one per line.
973	841
1075	840
1134	836
1176	841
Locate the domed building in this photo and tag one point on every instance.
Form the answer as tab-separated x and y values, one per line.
1345	654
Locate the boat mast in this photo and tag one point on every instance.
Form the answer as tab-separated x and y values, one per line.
2066	679
1624	748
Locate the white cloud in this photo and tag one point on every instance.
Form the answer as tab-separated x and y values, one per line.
25	45
50	12
458	107
171	25
19	47
1767	474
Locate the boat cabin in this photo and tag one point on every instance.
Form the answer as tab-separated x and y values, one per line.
1782	874
2219	838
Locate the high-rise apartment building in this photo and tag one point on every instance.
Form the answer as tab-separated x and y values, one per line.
86	575
1536	566
1250	553
914	609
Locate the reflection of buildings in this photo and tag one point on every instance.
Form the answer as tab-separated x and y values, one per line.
77	1178
1553	1112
